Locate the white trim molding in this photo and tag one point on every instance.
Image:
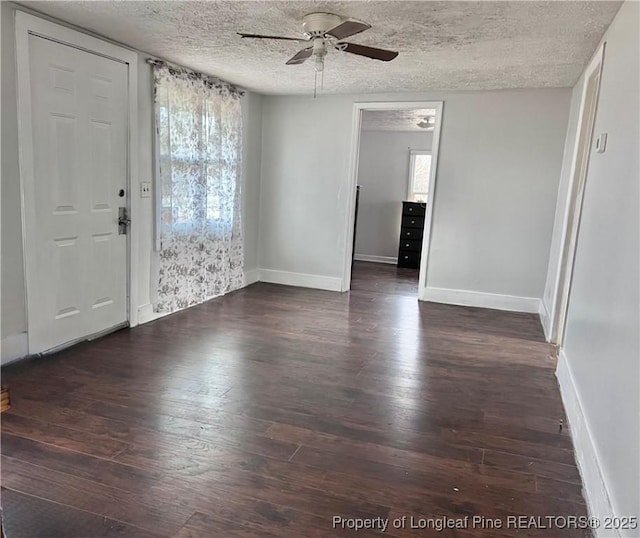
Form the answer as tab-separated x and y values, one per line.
14	347
251	276
356	124
301	280
595	487
146	313
545	320
572	205
376	259
480	299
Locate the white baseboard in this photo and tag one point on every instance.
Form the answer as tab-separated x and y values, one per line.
376	259
14	347
251	276
146	313
301	280
496	301
545	320
594	486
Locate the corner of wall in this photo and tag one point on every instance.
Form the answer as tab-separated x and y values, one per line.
251	276
145	313
545	320
261	166
251	176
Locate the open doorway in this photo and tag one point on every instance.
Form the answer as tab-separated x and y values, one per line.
395	161
580	165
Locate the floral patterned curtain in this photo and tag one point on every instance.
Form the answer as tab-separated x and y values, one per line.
199	152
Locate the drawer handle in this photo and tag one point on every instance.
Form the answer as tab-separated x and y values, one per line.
406	245
409	234
406	257
411	209
413	222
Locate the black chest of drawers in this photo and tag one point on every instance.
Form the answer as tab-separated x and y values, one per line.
411	230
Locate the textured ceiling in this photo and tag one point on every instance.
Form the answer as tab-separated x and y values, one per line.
442	45
398	120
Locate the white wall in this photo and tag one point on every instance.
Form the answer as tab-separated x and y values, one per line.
383	174
145	218
498	172
600	366
251	161
13	304
13	323
305	151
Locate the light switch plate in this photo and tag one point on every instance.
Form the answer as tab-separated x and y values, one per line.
601	143
145	189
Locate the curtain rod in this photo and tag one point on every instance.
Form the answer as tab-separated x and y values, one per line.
209	78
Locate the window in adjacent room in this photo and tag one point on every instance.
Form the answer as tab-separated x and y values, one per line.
419	173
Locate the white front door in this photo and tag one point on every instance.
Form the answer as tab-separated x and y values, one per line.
77	278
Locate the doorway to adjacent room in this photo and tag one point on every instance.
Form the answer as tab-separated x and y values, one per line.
394	171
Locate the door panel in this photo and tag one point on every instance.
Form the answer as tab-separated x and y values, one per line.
66	265
103	269
101	155
63	163
79	109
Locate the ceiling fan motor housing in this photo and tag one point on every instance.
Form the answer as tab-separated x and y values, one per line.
318	24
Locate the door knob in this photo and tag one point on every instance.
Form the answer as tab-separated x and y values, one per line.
123	220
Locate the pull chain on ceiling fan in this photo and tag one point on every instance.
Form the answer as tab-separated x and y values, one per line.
325	31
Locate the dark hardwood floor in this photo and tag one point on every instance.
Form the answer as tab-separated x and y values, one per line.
384	278
269	411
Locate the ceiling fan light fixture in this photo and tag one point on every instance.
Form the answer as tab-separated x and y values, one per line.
327	30
427	122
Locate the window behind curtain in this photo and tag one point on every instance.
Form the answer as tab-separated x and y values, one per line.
192	148
199	150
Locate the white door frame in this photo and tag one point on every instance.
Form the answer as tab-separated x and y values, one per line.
356	127
25	25
575	196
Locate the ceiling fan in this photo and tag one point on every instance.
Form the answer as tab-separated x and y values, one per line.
324	31
427	122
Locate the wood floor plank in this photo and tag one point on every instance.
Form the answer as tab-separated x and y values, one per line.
271	410
200	525
26	516
21	426
152	515
107	472
541	468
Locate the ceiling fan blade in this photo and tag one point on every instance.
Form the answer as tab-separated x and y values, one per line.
347	29
258	36
301	56
369	52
